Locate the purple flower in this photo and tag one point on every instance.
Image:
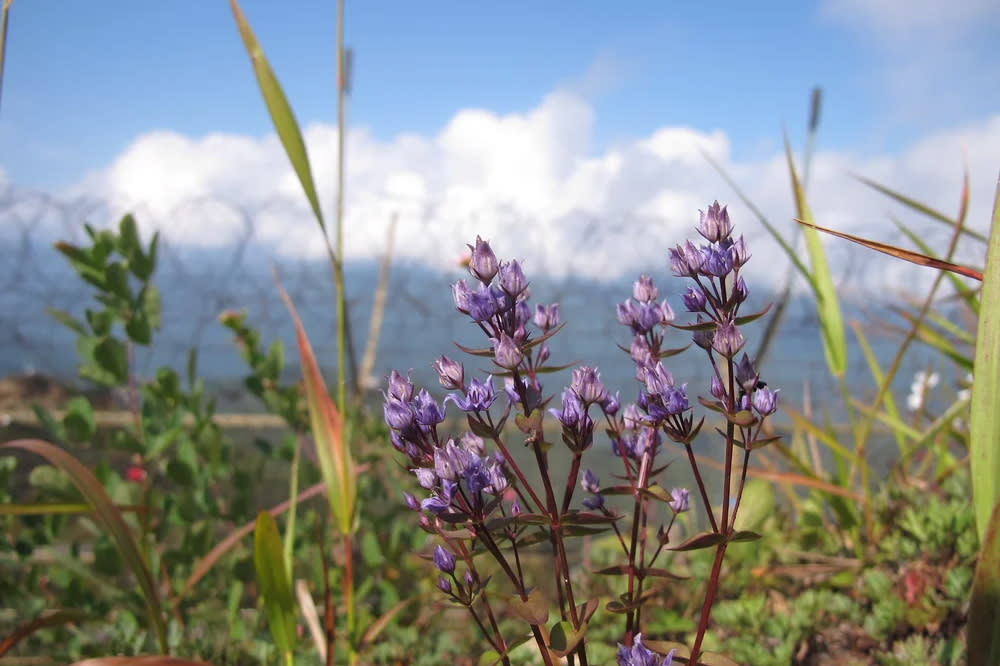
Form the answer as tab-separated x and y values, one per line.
694	300
573	411
483	263
547	316
675	400
628	313
512	278
426	410
740	252
640	655
411	501
478	398
718	261
746	374
680	499
473	443
450	373
543	353
510	388
658	379
643	290
765	401
399	388
398	415
590	482
444	560
742	292
481	304
594	502
444	584
587	384
728	339
426	477
686	260
611	404
715	224
716	389
506	353
441	499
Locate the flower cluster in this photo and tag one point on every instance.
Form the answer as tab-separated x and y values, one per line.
716	297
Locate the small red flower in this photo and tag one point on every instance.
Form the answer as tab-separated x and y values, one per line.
135	474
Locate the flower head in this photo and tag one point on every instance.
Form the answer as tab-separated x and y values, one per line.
483	263
715	224
640	655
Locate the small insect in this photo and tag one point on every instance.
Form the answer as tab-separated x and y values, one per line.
760	385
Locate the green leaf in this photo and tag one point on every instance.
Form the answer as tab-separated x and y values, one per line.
128	237
281	112
67	320
275	589
111	357
827	308
100	321
563	638
137	328
700	541
109	517
79	422
533	610
86	264
984	608
143	265
117	281
149	300
984	424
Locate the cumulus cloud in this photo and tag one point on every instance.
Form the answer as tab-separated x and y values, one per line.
531	184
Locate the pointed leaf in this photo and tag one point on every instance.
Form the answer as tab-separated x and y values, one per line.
700	541
281	112
533	610
984	424
275	589
334	454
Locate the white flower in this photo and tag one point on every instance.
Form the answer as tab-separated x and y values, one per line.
922	381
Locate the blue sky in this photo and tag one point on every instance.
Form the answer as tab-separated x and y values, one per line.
540	111
85	79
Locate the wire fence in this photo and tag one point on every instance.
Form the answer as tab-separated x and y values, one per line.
198	283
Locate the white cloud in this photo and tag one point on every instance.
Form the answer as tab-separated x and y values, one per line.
905	19
530	184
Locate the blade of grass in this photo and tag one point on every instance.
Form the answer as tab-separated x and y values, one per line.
984	608
48	619
900	253
109	517
280	111
275	590
984	426
880	380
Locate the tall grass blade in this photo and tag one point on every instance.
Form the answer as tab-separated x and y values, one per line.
335	461
984	609
281	112
984	425
827	307
49	619
275	590
109	517
899	253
